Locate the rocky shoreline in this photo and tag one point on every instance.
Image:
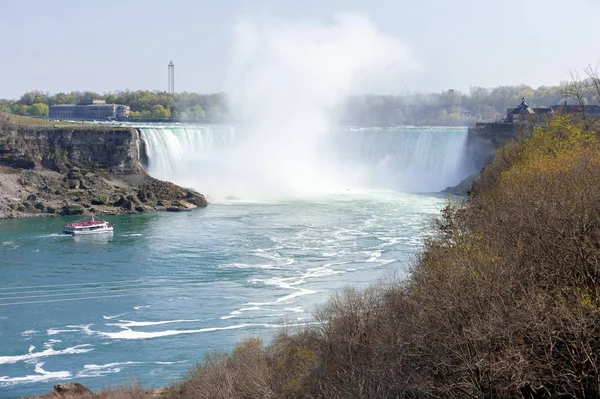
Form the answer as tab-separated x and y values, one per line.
76	170
30	193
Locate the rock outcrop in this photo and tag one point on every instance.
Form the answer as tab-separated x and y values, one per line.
46	170
76	390
484	139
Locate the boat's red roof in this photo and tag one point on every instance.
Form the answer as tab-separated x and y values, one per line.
85	224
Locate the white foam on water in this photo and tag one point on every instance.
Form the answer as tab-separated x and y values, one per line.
85	328
334	254
29	356
130	323
41	376
55	331
130	334
28	333
10	244
299	309
169	363
284	299
141	307
320	271
249	266
108	365
373	256
238	312
54	235
292	282
99	370
112	317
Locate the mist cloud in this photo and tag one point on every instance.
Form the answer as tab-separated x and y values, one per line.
285	83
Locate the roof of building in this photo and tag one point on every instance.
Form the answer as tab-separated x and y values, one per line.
523	108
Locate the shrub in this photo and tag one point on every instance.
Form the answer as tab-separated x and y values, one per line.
99	200
242	374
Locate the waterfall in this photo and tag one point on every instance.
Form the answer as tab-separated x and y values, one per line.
223	160
407	158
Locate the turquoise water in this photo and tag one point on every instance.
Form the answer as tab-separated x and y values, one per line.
150	300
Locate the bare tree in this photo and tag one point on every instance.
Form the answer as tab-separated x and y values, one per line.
576	89
592	83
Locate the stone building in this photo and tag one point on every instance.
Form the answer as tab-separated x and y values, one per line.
89	110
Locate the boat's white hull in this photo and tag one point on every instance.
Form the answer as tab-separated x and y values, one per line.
83	232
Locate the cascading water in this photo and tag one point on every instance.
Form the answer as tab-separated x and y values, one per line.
406	158
219	161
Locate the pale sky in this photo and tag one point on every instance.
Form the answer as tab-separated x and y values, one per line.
108	45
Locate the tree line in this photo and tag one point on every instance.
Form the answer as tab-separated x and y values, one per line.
450	107
144	104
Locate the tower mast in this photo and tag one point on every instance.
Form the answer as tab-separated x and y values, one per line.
171	86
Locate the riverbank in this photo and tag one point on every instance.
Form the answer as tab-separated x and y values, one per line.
71	169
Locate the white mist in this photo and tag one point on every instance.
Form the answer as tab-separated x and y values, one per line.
285	83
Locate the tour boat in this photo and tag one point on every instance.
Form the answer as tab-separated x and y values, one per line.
94	226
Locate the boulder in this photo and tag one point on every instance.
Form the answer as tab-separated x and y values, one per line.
72	389
102	200
180	206
120	202
72	210
196	198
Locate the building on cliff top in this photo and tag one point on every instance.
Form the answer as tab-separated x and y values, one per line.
539	115
524	111
89	110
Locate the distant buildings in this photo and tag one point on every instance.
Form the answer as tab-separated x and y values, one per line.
89	110
539	115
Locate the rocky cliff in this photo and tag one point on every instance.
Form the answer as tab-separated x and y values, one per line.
60	148
70	169
484	139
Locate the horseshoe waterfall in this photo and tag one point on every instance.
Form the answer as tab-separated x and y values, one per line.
225	161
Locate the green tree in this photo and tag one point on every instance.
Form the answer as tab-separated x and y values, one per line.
134	115
21	109
33	97
159	112
196	112
38	109
5	106
111	99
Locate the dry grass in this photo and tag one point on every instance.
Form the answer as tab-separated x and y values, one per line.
38	123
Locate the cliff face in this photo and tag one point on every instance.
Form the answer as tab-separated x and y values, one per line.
71	170
111	149
484	139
